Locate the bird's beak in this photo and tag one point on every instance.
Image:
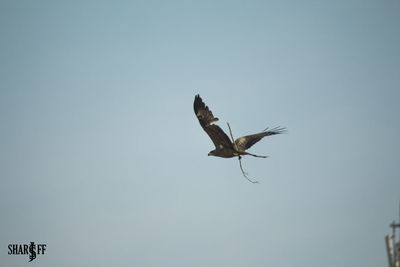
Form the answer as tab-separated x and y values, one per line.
208	154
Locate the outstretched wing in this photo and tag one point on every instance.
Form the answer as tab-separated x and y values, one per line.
206	118
245	142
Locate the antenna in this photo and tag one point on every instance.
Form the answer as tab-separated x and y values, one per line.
392	246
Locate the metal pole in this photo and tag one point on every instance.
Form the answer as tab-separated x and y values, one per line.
394	252
389	250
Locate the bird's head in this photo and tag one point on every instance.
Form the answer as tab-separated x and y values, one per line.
211	153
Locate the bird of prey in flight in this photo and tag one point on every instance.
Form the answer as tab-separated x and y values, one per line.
225	147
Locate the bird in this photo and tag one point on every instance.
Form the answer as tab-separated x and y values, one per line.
225	147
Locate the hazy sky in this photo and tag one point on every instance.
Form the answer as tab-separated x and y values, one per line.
103	159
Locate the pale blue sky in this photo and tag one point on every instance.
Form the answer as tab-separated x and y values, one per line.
103	159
